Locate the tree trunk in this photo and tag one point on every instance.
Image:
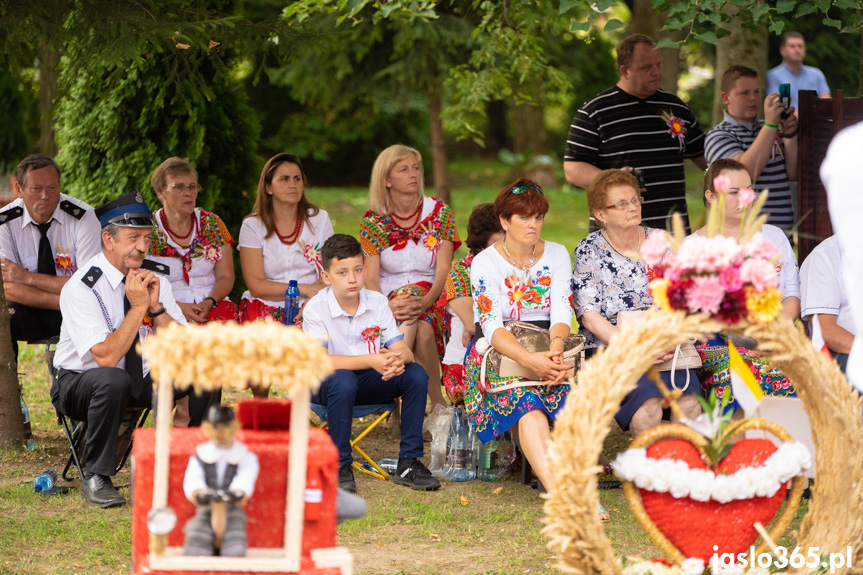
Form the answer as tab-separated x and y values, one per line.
860	82
438	145
646	21
495	131
529	135
11	422
48	60
742	46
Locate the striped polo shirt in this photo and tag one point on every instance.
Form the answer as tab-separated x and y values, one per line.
730	138
655	134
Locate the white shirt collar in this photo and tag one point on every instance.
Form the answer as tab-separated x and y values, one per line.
28	219
112	274
336	309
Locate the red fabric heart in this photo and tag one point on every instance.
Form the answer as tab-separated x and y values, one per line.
694	527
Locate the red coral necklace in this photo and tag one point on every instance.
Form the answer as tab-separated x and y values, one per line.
293	236
177	236
415	216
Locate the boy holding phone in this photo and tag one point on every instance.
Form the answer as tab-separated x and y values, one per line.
372	362
767	148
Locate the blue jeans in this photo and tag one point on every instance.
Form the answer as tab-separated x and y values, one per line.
345	388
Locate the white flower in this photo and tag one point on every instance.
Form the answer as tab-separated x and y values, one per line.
767	484
692	566
678	485
722	491
700	484
744	482
627	464
662	480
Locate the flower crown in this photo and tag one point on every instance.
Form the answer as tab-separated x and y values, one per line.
728	278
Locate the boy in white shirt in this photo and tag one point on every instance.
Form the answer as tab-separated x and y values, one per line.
373	365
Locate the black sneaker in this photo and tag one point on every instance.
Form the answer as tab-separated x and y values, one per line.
412	473
346	478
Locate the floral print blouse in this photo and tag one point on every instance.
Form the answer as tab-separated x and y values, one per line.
606	282
501	293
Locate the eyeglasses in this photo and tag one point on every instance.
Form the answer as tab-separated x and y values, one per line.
182	188
623	204
524	188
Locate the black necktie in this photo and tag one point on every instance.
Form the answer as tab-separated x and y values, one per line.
134	364
45	258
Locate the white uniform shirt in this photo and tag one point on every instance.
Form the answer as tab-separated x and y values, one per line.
84	323
238	454
283	263
822	285
787	273
77	239
543	293
202	276
372	328
409	265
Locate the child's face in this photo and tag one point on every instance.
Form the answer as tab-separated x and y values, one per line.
345	276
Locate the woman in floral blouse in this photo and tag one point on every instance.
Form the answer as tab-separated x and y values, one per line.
483	230
194	243
521	277
409	240
607	280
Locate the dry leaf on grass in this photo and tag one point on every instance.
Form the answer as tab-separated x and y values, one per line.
464	500
498	490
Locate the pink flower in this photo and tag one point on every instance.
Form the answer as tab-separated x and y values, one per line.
654	248
745	197
730	278
708	254
758	272
721	184
759	247
705	294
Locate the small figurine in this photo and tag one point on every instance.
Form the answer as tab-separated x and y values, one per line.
219	480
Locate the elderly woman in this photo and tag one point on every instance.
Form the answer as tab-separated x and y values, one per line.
194	243
409	240
608	279
525	278
714	352
281	241
483	230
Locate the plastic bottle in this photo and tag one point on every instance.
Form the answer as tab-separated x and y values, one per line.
28	431
45	481
487	467
460	456
292	302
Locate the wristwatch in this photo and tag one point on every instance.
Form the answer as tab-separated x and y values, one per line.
158	312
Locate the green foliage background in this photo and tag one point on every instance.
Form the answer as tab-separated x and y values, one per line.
19	112
116	125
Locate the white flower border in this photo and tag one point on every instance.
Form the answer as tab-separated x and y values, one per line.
676	477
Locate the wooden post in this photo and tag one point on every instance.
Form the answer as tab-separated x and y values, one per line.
162	458
295	508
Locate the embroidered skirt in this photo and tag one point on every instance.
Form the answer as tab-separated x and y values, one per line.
226	310
493	413
715	372
453	382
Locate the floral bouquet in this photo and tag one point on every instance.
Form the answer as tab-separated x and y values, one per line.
727	278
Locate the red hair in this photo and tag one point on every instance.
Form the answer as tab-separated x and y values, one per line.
528	203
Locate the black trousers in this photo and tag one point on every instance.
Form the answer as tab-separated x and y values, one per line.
100	397
32	323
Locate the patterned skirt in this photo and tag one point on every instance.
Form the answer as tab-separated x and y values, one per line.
493	413
435	315
715	372
256	310
453	382
226	310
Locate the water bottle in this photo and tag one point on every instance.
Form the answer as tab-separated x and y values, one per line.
45	481
28	431
460	456
487	466
292	302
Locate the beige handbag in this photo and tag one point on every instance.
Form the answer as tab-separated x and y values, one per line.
685	355
531	338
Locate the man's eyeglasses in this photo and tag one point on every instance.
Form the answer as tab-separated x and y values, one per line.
182	188
623	204
524	188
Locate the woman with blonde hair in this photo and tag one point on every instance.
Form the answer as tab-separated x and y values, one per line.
409	240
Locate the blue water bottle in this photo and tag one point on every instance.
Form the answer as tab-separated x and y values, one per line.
45	481
292	302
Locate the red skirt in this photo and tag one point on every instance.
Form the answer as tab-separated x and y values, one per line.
225	311
255	310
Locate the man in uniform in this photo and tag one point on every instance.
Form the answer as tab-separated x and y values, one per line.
110	303
44	235
635	125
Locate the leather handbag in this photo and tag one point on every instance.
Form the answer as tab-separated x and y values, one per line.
531	338
685	355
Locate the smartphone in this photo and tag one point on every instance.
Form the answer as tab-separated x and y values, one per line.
639	175
785	98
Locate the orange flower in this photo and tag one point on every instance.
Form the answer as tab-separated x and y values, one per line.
484	303
545	280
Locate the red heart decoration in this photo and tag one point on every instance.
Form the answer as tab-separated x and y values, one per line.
694	527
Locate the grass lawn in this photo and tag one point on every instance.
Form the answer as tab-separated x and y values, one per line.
463	528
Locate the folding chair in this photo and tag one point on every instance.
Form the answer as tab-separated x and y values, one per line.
384	410
76	431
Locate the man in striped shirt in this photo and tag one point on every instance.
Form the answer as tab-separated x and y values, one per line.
767	148
636	125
